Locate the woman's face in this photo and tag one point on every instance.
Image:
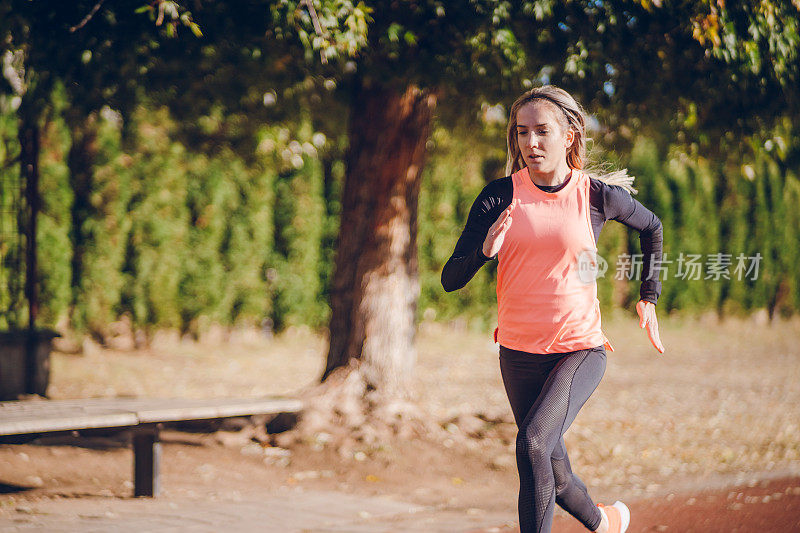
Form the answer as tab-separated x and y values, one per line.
543	141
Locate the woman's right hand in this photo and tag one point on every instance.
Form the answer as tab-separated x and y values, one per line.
497	233
647	319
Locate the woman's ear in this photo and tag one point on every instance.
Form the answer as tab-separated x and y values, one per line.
570	137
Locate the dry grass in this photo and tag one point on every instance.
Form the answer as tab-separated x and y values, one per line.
724	401
244	366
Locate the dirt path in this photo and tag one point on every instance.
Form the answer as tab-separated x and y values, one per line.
770	506
212	487
701	425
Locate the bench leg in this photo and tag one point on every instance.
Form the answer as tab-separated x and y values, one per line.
146	454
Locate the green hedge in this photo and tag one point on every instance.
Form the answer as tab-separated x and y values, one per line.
179	239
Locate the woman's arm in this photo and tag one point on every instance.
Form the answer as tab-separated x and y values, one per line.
468	255
619	205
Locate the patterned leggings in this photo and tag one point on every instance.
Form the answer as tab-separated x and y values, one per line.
546	391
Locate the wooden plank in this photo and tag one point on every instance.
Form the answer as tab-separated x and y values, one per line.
182	410
17	418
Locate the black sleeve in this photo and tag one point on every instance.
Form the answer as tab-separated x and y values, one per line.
468	255
619	205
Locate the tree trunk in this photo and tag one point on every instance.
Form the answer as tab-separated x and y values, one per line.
375	283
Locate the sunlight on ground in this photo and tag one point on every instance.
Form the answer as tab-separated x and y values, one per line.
723	399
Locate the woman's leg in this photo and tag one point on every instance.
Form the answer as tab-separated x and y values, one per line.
524	375
541	456
571	493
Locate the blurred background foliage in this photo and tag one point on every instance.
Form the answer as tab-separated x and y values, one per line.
177	238
195	180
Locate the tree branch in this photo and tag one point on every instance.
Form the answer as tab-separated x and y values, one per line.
314	18
87	18
10	162
315	21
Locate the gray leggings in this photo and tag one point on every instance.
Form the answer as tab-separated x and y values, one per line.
546	391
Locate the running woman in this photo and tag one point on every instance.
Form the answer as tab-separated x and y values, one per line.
542	223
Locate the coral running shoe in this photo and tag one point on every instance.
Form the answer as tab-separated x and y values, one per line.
619	517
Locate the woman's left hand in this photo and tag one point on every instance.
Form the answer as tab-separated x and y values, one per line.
647	319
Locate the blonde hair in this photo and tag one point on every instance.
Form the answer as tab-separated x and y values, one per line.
571	117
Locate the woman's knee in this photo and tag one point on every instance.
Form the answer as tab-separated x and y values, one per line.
533	444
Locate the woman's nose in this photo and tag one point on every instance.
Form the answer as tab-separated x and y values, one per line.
533	141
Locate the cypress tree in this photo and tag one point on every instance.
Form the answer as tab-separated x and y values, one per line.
706	222
733	235
763	235
249	246
98	289
790	244
11	312
782	248
55	251
156	246
299	228
210	205
688	292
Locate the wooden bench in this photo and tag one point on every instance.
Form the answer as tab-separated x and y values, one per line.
143	417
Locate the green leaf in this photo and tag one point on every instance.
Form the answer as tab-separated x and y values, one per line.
393	32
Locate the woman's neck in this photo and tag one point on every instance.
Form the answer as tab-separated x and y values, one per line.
550	179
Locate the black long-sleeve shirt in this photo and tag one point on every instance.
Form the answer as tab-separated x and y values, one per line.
607	202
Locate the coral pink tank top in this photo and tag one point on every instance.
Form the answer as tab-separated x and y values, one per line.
545	303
